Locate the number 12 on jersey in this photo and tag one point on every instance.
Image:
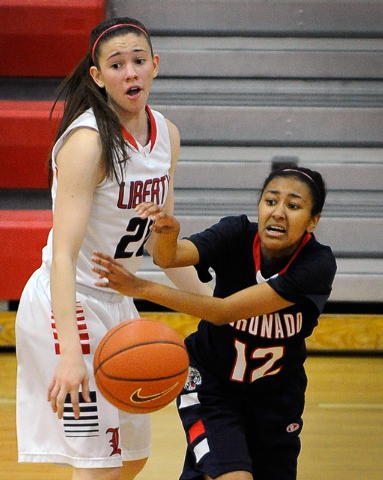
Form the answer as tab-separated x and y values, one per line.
270	355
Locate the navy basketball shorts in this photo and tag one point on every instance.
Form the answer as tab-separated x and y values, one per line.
229	431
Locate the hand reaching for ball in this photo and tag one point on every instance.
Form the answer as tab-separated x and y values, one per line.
114	275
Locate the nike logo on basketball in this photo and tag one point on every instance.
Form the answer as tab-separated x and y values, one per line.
136	396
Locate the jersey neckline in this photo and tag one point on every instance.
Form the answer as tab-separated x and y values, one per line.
257	256
153	132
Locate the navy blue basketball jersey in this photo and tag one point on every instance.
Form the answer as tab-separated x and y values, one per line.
259	353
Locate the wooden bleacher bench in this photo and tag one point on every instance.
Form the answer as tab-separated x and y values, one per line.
241	94
342	334
291	79
25	141
245	18
42	38
23	234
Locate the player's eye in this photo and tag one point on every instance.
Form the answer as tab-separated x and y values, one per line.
293	206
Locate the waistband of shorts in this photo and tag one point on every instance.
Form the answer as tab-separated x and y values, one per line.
104	295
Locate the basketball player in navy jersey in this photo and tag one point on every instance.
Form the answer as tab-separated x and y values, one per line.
242	405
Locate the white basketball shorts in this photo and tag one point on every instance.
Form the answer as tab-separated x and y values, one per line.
103	436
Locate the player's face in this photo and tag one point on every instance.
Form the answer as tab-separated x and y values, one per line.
284	216
127	69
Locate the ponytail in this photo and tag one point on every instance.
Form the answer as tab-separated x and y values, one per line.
80	93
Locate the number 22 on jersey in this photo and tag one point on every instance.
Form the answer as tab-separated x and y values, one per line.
138	232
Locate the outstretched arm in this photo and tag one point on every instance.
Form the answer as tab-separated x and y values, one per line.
253	301
173	256
162	247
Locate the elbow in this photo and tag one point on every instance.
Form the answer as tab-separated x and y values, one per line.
164	264
164	261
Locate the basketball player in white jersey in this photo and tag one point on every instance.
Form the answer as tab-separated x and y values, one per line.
111	153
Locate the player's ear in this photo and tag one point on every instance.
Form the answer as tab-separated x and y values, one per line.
97	76
313	223
156	64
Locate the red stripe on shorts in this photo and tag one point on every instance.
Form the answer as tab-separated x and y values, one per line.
196	430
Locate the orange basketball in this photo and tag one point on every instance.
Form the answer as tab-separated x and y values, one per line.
141	365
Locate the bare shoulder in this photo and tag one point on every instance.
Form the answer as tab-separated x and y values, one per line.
174	142
173	131
83	137
84	142
81	154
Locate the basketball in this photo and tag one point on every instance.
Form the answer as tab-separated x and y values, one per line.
141	365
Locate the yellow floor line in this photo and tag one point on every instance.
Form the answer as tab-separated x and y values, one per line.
354	406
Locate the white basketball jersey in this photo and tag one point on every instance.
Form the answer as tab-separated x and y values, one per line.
114	227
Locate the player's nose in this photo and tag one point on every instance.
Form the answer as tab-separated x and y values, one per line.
130	71
279	211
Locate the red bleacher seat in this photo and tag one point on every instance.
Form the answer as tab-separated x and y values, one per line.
46	38
23	233
26	138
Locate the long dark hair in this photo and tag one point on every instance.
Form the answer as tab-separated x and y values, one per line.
80	92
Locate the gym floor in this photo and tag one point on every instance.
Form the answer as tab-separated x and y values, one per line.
342	437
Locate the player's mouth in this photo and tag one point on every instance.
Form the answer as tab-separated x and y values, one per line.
275	230
133	92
